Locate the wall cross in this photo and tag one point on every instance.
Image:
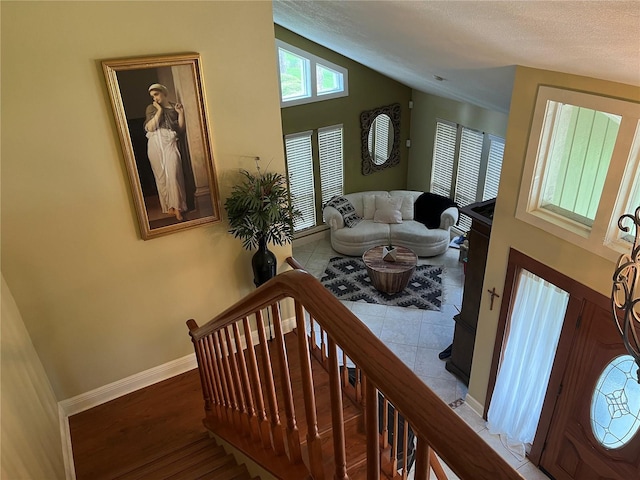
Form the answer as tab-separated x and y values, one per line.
493	294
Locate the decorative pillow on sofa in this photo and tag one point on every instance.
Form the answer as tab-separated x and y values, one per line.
345	207
429	207
385	202
369	204
387	215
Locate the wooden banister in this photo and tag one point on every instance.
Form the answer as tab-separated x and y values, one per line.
437	426
293	263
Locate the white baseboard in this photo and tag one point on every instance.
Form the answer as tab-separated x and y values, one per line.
312	235
475	405
127	385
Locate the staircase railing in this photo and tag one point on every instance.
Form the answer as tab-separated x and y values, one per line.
239	388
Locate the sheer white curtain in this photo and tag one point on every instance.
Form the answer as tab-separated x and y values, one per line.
521	384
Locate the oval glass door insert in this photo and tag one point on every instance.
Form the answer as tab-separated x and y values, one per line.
615	404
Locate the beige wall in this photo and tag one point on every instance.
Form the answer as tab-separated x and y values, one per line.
99	303
30	439
429	108
508	232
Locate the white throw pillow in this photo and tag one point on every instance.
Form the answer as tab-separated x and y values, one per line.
387	215
389	203
369	203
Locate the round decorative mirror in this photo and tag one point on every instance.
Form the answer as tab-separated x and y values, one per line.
380	138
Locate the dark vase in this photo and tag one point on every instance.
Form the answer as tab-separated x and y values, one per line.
264	263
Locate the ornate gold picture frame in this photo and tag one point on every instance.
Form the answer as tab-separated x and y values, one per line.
160	113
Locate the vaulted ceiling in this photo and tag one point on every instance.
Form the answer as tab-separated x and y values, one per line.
474	45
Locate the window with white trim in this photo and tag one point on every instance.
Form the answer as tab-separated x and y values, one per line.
305	180
582	168
466	165
306	78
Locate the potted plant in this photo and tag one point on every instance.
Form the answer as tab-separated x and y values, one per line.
260	212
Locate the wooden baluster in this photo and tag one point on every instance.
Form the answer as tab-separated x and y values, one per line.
385	422
323	348
293	436
205	381
394	445
215	378
437	466
263	423
246	387
345	371
405	446
337	415
222	381
359	396
202	367
229	381
277	441
371	428
385	449
235	377
312	334
423	466
208	371
314	446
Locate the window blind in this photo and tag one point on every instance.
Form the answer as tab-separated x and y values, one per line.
443	159
494	166
466	191
466	165
331	162
300	169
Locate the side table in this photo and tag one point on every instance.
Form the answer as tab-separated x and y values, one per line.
390	277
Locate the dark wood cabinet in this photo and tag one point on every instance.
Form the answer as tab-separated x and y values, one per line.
464	336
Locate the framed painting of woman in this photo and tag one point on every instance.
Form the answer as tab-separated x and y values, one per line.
160	113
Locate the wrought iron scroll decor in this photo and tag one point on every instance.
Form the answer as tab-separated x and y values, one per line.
625	296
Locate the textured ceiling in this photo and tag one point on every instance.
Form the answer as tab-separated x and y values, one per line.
474	45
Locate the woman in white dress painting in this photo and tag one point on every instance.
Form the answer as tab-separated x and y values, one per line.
164	124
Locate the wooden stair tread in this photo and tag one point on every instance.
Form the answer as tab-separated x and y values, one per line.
202	458
168	459
204	468
355	447
278	465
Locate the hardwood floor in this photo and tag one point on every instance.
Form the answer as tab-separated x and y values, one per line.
154	433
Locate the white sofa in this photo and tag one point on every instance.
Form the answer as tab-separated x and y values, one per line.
356	240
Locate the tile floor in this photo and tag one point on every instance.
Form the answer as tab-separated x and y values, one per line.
417	336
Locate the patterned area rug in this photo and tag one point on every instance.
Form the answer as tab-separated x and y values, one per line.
347	279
